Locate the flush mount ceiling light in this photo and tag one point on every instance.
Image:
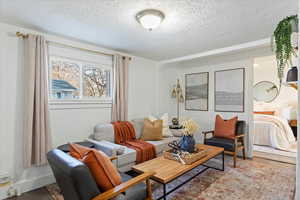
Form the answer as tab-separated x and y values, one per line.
150	19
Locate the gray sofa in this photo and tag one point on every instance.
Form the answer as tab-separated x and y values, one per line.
103	138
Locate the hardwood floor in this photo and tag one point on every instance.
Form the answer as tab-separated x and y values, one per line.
39	194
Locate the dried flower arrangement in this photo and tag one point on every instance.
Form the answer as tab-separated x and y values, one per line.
190	127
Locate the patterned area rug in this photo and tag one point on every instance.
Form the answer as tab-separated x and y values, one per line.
256	179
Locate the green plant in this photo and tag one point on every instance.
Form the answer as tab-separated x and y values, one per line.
282	43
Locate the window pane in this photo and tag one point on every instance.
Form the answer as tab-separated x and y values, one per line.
96	82
65	80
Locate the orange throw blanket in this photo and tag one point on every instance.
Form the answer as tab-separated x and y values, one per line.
125	135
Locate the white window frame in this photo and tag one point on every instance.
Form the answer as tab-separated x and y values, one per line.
82	99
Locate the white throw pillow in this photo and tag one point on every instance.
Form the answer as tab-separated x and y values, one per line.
165	119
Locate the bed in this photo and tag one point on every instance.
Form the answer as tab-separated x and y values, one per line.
274	131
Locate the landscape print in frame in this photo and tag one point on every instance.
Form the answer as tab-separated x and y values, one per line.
196	91
229	90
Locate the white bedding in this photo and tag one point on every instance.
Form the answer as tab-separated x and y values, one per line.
273	131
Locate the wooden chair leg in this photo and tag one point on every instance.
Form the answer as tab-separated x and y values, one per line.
234	159
149	190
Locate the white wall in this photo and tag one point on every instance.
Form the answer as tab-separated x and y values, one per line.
142	88
170	72
265	70
69	123
297	197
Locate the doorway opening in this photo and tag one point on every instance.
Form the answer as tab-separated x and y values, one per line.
275	113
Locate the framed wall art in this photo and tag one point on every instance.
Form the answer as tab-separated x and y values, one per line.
196	91
229	90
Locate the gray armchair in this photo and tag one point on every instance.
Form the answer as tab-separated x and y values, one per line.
76	182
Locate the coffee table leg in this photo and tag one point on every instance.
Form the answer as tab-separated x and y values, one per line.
165	191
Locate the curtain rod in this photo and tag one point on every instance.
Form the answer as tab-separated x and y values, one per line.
22	35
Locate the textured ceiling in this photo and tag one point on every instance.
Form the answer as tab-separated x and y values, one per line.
190	26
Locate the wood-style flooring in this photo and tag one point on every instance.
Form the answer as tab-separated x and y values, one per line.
39	194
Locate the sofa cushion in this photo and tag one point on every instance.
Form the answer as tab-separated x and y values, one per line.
102	169
104	132
129	156
162	145
227	144
109	148
119	148
138	125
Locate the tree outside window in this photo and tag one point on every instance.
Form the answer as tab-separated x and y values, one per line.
71	79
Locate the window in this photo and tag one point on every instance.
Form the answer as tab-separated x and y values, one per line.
72	79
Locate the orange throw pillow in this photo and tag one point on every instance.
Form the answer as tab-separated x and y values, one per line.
78	151
225	128
102	169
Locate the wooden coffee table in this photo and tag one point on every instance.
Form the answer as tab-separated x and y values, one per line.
168	170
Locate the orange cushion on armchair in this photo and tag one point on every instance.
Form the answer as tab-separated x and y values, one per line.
225	128
103	170
78	151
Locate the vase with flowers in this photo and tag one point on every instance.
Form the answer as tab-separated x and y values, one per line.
187	142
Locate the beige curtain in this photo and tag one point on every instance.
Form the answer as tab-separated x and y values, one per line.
120	88
37	139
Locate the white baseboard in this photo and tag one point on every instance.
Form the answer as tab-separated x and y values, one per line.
28	185
275	157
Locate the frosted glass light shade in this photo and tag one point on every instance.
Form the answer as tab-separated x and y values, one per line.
150	19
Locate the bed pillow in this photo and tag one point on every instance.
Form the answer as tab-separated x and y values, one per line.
104	172
265	112
225	128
